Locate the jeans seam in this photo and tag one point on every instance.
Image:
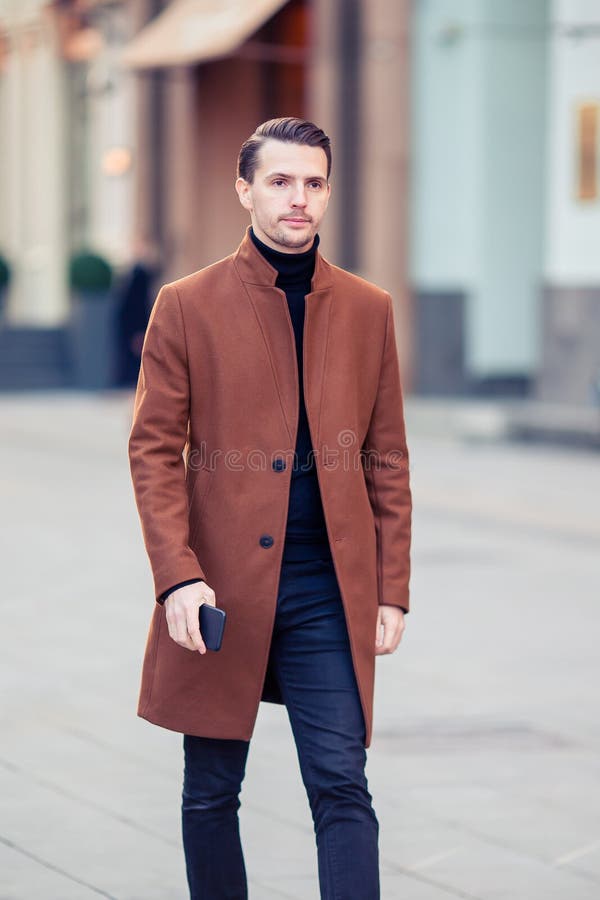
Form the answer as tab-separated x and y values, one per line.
333	868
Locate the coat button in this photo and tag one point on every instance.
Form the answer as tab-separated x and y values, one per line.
266	540
279	464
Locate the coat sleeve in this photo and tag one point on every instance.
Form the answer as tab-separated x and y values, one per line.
156	443
386	467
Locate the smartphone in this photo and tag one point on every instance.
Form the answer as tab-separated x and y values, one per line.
212	625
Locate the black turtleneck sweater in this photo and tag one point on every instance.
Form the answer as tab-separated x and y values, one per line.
306	532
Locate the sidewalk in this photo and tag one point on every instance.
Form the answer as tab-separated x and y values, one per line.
484	766
496	419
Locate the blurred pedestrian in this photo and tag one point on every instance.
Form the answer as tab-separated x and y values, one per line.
270	468
133	311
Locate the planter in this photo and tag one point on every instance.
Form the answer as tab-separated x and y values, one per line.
93	339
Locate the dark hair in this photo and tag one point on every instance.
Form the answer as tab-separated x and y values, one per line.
289	130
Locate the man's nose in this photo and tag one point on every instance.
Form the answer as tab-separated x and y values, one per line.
299	196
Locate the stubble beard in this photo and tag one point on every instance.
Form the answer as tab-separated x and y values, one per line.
280	236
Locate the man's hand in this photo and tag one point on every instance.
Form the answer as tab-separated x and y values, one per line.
390	626
181	609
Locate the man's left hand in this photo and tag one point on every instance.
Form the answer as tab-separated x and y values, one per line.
390	626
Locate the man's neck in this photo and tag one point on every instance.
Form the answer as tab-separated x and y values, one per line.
275	250
292	267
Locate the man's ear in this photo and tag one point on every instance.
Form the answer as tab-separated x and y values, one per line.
243	191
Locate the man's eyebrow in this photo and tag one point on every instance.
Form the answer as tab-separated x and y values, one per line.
287	175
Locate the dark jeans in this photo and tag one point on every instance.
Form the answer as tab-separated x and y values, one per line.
310	654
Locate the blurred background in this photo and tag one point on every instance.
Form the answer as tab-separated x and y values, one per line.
465	180
466	155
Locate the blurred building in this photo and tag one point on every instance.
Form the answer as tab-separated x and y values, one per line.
568	362
150	102
209	73
505	210
465	180
66	169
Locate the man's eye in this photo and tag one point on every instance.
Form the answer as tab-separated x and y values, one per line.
279	181
316	184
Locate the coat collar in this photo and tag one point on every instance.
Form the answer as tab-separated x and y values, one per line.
259	277
253	268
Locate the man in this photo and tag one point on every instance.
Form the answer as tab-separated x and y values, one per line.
270	468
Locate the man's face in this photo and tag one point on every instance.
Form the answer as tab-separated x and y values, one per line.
289	195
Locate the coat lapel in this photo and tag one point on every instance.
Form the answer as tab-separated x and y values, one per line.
271	310
270	307
316	332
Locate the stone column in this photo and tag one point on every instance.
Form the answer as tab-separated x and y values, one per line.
322	104
384	163
358	92
33	227
148	111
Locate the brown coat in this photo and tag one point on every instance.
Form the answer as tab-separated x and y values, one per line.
216	403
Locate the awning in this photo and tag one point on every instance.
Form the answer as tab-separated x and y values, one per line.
192	31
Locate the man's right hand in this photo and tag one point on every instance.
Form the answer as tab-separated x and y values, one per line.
181	610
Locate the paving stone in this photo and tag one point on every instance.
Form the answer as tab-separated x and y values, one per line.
485	763
24	876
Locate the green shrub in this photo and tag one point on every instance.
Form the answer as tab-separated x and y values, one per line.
89	272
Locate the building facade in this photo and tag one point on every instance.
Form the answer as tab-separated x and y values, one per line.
505	208
569	340
465	179
150	103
